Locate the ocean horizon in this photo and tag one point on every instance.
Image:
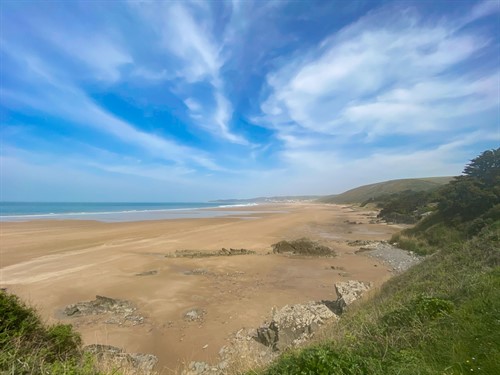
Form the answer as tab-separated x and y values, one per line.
113	211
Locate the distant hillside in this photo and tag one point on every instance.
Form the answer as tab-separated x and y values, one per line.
280	199
363	193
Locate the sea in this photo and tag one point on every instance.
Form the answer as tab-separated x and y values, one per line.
116	211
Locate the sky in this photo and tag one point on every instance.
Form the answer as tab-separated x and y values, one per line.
198	100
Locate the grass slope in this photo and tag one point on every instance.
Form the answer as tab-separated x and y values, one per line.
363	193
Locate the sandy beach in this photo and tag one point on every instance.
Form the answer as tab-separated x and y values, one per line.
52	264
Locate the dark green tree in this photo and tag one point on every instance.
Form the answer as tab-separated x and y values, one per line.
485	168
476	191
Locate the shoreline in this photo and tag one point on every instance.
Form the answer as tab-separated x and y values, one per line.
133	215
52	264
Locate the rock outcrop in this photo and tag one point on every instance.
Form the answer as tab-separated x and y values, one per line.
207	253
120	311
293	325
302	246
195	314
141	363
348	292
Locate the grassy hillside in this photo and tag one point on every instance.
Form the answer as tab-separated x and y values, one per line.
440	317
366	192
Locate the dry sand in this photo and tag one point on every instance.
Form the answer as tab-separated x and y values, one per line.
51	264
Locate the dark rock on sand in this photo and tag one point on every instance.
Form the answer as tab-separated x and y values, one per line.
147	273
100	305
195	314
121	311
302	246
207	253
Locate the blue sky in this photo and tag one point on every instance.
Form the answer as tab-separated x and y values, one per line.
199	100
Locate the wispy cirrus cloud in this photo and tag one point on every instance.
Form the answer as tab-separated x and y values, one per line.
186	31
103	57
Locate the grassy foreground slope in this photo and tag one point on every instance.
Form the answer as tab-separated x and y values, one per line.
27	346
367	192
441	316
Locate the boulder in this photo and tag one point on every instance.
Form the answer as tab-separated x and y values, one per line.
294	324
348	292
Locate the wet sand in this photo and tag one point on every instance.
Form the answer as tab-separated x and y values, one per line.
51	264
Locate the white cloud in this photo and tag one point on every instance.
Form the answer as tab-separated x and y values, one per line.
380	78
98	55
222	118
483	9
425	107
103	56
152	75
193	105
190	39
191	42
49	95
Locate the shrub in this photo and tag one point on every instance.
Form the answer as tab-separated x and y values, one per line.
28	347
16	319
63	341
421	309
321	360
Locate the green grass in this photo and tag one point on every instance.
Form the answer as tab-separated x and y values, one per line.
428	240
366	192
28	347
440	317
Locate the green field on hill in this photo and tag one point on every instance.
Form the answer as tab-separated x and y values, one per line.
366	192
